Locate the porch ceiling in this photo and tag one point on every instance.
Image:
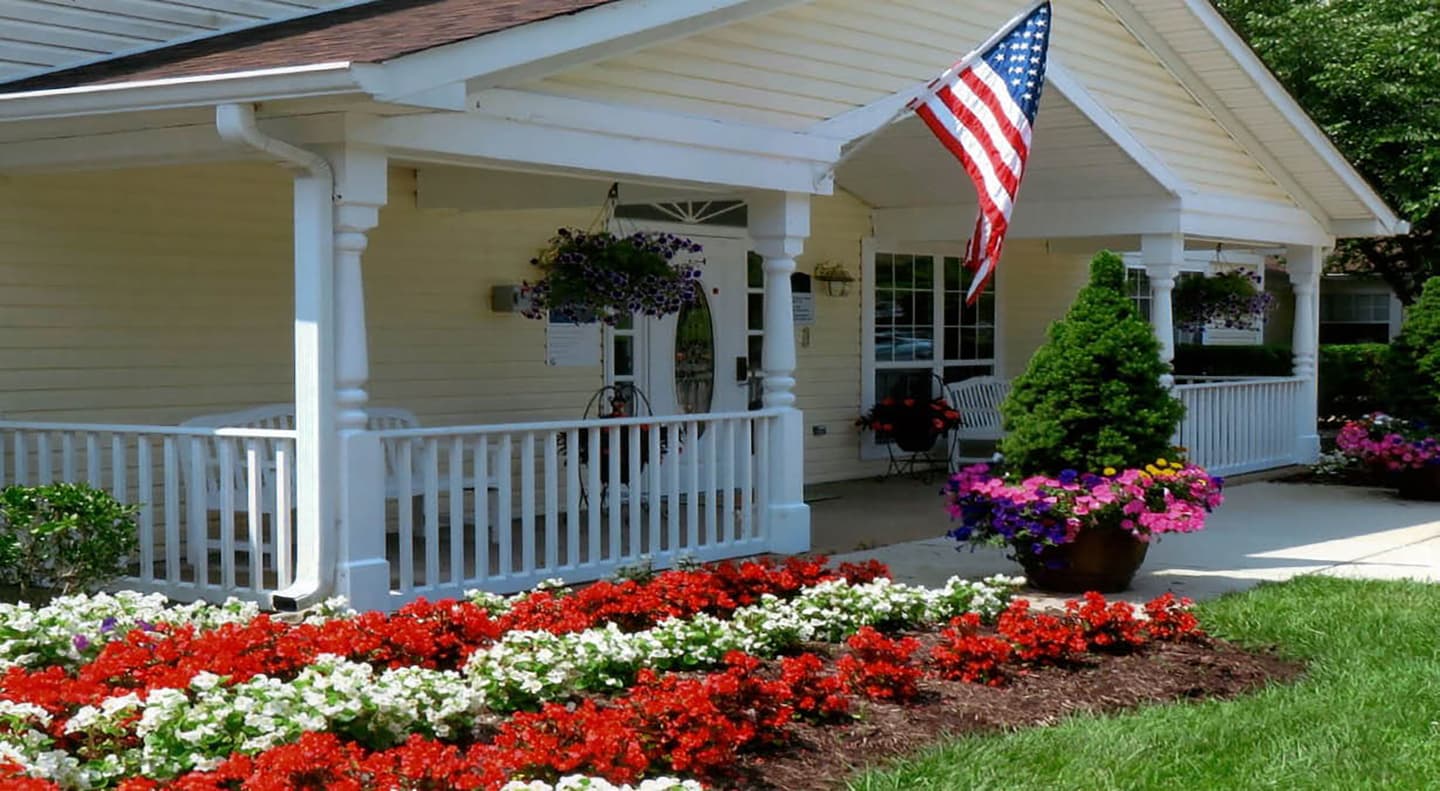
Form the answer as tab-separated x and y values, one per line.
1072	160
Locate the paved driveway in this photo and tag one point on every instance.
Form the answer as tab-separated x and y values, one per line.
1264	531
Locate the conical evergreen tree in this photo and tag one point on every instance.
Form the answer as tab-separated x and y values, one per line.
1415	360
1092	397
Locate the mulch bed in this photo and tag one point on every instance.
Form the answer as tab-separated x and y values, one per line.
825	756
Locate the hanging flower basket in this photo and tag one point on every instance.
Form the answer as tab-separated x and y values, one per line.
1233	300
597	275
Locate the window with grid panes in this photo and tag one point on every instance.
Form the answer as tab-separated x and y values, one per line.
1137	285
754	321
924	329
1354	318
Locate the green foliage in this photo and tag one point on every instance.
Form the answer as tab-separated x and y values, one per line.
1352	379
1193	359
1091	397
68	537
1369	72
1414	381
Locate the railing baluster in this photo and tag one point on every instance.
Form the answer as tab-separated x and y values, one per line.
227	511
594	492
747	479
654	496
254	520
67	457
457	509
145	494
43	472
197	498
552	503
483	527
170	458
612	490
92	460
672	489
712	522
405	511
527	502
572	498
22	459
727	477
762	477
504	518
692	496
633	486
431	501
284	564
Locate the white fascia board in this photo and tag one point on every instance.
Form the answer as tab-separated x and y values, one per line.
527	52
634	122
478	139
867	120
323	79
1034	220
1367	228
1244	219
1309	131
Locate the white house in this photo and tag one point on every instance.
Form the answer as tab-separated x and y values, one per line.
317	213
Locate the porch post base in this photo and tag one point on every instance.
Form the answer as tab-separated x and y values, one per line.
365	584
790	528
1307	449
363	572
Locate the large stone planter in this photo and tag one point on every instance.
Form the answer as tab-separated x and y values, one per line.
1101	559
1421	484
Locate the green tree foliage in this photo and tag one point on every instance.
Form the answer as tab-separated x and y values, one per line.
1415	359
1368	71
1092	396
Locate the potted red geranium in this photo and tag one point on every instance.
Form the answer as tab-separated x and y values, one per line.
913	424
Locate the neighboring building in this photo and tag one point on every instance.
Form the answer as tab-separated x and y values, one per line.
160	268
1358	309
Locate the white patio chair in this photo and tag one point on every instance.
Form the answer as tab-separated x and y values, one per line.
978	402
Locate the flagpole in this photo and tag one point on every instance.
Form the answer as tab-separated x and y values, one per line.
930	87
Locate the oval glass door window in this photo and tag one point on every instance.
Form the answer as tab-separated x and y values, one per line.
695	359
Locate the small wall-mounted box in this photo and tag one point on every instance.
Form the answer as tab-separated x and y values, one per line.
508	299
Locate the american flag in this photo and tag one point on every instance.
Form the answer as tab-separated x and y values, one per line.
983	109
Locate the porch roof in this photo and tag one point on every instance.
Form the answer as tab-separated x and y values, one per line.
372	32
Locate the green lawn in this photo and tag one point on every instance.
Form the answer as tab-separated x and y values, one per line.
1366	716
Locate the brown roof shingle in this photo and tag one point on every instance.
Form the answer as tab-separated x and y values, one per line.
369	33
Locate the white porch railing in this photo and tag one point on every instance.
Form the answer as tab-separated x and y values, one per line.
216	506
503	507
1234	426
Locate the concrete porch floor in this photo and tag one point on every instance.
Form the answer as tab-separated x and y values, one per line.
1264	531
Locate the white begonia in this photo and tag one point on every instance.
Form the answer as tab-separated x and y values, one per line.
582	783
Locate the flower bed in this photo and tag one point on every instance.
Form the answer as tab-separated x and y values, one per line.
688	674
1389	443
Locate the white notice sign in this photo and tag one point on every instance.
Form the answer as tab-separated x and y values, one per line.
803	306
573	345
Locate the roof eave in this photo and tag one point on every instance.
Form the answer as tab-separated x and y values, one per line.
292	82
1385	217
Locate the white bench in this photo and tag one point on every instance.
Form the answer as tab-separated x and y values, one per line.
978	402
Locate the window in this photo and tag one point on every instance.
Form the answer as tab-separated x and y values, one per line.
1137	285
755	323
922	327
1355	318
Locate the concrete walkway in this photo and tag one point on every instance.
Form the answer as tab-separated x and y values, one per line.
1264	531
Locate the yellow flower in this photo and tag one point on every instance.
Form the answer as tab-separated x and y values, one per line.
1152	469
1175	465
1109	471
1162	462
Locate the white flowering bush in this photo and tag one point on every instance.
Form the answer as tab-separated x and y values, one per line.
579	783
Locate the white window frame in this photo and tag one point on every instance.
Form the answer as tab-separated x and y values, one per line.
869	247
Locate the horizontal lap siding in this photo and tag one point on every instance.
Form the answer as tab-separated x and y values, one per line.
1035	289
828	377
802	64
144	296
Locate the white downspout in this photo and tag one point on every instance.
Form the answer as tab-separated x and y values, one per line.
316	445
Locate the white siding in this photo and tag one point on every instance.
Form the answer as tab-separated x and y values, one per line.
41	34
803	64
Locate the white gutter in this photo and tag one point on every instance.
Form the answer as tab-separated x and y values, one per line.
316	444
244	87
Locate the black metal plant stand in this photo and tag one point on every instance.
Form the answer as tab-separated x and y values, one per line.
911	452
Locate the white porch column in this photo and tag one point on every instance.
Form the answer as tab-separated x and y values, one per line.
779	225
1162	255
362	572
1304	265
